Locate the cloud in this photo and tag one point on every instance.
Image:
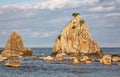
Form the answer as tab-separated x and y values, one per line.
4	32
35	34
90	2
101	9
49	4
42	34
112	14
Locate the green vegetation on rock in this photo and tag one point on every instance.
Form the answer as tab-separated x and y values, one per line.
75	14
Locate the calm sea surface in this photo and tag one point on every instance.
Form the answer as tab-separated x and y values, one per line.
40	68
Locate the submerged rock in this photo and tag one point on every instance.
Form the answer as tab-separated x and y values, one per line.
106	59
15	46
13	63
75	39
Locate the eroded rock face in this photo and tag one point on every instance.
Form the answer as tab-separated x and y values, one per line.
15	47
15	42
75	39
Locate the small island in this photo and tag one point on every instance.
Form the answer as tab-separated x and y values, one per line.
73	44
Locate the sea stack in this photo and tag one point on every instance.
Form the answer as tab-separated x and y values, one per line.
15	46
75	39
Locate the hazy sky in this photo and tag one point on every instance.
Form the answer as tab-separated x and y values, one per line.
40	21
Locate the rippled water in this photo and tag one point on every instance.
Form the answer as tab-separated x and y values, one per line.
40	68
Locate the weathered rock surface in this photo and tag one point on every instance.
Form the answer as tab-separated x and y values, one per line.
106	59
13	63
75	39
15	47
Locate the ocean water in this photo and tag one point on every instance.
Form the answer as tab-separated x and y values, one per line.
40	68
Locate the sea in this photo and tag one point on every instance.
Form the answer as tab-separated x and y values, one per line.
40	68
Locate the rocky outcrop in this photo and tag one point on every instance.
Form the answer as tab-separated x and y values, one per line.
15	47
75	39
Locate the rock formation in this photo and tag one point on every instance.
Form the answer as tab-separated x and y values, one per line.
15	47
75	39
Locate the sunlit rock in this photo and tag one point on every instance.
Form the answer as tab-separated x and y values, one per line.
15	46
84	58
1	59
68	58
75	39
59	57
48	58
6	53
75	61
115	59
13	63
106	59
88	62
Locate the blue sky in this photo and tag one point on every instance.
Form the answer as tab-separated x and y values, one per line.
40	21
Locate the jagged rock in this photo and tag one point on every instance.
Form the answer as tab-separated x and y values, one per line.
75	39
75	61
106	59
15	46
84	58
59	57
48	58
13	63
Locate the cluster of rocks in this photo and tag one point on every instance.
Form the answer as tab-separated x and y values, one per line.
14	48
73	44
75	40
76	59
